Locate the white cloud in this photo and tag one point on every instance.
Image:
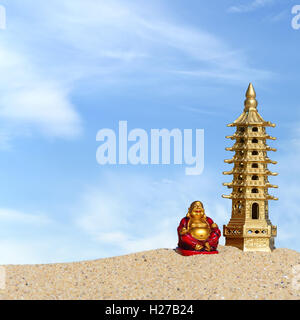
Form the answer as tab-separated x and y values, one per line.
28	98
21	238
14	216
17	252
224	74
44	106
277	17
253	5
64	42
116	38
35	238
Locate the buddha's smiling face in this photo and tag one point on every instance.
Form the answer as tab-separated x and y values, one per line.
197	210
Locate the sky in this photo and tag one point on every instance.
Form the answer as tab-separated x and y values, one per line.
70	68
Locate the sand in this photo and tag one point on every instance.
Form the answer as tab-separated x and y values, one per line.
161	274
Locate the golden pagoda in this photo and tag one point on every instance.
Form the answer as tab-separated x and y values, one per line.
249	228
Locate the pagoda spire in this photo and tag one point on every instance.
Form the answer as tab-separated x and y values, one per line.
250	115
249	228
250	101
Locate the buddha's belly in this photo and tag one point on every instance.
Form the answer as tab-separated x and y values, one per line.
200	233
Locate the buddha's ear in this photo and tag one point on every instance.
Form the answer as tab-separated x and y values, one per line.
188	215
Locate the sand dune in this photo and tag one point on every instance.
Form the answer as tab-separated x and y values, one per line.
161	274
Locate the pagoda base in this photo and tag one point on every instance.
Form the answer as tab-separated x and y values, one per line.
184	252
251	244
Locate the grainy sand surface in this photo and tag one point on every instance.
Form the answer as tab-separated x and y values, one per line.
161	274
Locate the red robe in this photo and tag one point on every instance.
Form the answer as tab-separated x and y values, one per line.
187	242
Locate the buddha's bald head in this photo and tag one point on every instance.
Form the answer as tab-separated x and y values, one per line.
196	209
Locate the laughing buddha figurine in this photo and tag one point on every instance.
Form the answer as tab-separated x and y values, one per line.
197	233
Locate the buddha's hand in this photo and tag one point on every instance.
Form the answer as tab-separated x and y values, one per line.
183	231
207	246
198	247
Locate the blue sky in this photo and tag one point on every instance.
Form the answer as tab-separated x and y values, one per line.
71	67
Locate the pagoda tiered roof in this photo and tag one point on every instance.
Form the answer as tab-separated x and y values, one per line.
249	158
250	138
251	118
252	184
265	172
249	196
250	146
250	135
